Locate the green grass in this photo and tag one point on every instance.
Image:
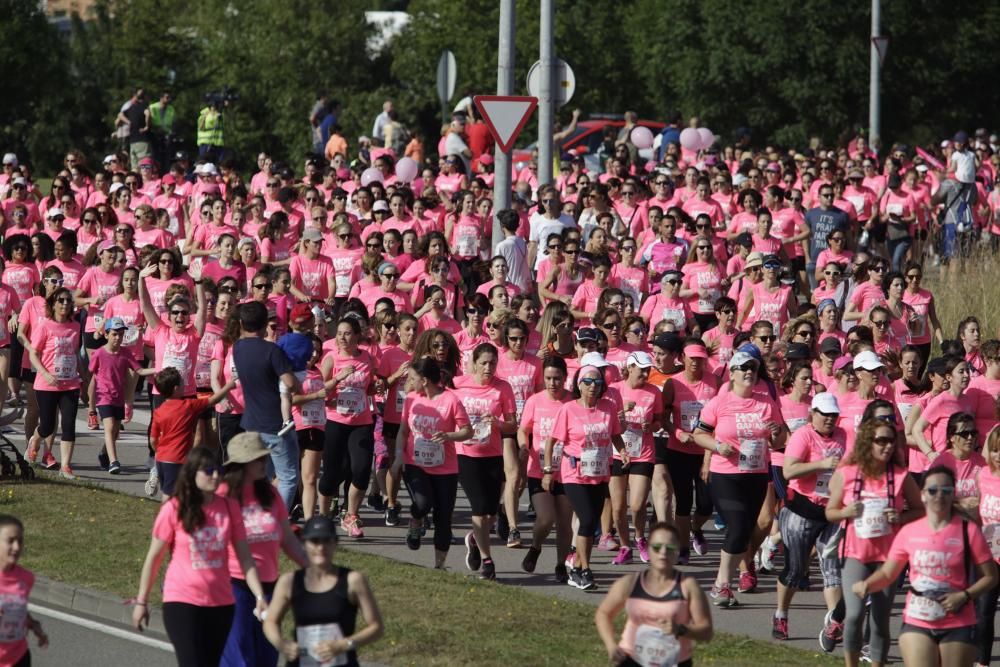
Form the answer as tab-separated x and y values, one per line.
97	538
972	291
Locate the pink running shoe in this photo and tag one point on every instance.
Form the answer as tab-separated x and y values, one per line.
351	524
624	557
643	549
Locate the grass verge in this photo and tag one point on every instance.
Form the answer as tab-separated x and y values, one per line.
97	538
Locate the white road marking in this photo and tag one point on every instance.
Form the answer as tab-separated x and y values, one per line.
100	627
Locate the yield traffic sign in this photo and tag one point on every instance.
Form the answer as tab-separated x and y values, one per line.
505	116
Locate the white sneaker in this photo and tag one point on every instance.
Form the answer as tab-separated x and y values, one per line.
768	550
153	483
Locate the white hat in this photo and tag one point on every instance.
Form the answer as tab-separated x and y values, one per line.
739	359
19	181
54	211
10	158
826	403
868	361
207	169
922	168
593	359
640	359
115	187
380	205
109	158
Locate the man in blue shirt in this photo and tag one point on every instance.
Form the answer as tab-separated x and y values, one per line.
260	367
822	220
671	134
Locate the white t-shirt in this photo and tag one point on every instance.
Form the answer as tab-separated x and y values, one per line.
515	250
964	164
454	144
541	227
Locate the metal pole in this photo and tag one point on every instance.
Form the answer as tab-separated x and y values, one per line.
874	83
505	86
546	55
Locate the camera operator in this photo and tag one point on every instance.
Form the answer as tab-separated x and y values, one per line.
161	120
211	137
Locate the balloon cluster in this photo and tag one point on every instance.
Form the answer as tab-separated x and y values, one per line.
693	139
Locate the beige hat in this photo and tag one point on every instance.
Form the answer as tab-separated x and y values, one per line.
246	447
754	259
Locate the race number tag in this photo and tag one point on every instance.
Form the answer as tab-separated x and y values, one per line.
674	315
707	304
752	454
823	483
795	424
313	414
689	415
594	463
343	285
481	430
427	453
64	367
400	398
468	246
873	522
655	648
308	636
924	608
633	441
991	532
557	450
131	336
350	401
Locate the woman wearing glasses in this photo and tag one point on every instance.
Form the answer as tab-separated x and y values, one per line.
963	458
563	279
167	270
836	252
625	275
473	332
668	306
921	300
884	339
738	427
703	283
439	274
950	566
934	415
867	294
90	234
769	299
874	497
666	611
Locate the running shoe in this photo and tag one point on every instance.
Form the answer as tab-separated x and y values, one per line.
684	557
588	580
32	452
351	524
503	526
514	539
722	596
561	574
531	511
103	460
92	422
49	461
748	582
531	559
392	516
582	579
624	557
699	543
67	473
153	483
488	572
831	634
719	522
413	537
866	655
376	503
128	414
570	561
779	628
768	551
643	549
115	468
473	559
608	543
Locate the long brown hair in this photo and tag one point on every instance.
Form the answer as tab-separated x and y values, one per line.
235	478
189	497
862	454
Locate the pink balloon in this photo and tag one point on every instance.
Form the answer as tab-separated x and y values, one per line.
370	175
406	170
690	139
707	138
642	137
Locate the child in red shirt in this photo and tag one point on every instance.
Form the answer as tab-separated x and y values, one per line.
171	434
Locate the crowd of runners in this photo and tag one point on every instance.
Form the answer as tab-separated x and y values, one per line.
718	334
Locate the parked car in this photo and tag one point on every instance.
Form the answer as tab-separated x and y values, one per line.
586	140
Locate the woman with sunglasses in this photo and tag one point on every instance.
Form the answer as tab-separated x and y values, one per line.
867	294
830	286
585	298
666	611
432	246
434	313
439	275
167	270
926	323
388	276
59	187
473	333
90	233
668	306
703	283
198	527
963	458
589	428
526	310
933	417
55	338
625	275
873	497
768	300
345	256
123	237
835	253
883	339
562	280
738	427
609	320
939	624
464	229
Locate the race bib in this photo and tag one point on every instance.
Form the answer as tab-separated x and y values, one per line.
924	608
400	398
309	636
689	415
655	648
343	285
481	430
468	246
557	450
823	483
350	401
674	315
64	367
707	304
131	336
752	453
918	326
633	441
519	407
858	202
180	363
427	453
795	424
991	532
894	209
873	522
13	617
313	414
594	462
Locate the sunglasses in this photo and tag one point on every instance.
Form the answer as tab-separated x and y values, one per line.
344	236
211	470
372	245
440	269
804	334
834	274
636	332
672	281
477	311
877	269
628	248
836	238
65	300
968	434
943	490
767	339
591	381
166	260
610	325
704	247
391	276
657	547
54	281
914	276
881	324
828	415
771	266
571	252
747	367
753	268
726	311
179	313
515	339
439	346
263	286
492	325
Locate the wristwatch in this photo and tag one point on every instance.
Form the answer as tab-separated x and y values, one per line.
351	645
547	470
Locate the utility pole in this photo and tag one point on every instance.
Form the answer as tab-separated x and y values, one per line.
505	86
874	82
546	53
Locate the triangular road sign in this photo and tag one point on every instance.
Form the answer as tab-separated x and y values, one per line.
505	116
882	47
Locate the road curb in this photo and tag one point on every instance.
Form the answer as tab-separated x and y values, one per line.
104	606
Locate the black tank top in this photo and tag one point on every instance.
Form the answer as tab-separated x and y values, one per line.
332	606
639	591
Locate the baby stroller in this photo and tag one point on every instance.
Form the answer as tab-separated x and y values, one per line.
13	465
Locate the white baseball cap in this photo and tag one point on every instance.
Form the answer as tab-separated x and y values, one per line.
826	403
640	359
54	211
10	158
868	361
595	359
740	358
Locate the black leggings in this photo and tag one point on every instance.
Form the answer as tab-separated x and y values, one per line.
738	497
347	456
482	480
986	610
433	492
689	488
62	402
588	503
229	426
198	633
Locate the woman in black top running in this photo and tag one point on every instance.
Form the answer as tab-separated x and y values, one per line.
324	599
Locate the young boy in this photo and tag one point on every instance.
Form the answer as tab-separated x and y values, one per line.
298	347
15	587
172	432
109	367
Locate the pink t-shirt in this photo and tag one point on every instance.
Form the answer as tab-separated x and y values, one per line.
429	321
989	509
869	537
214	271
345	261
72	272
538	418
796	414
809	446
769	306
177	350
349	403
689	398
966	472
700	276
311	415
203	365
110	371
264	533
131	314
198	573
99	283
661	307
648	408
741	423
586	436
939	409
389	362
937	564
22	278
494	399
9	304
234	398
524	377
312	276
15	589
157	290
425	417
921	302
58	345
466	236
